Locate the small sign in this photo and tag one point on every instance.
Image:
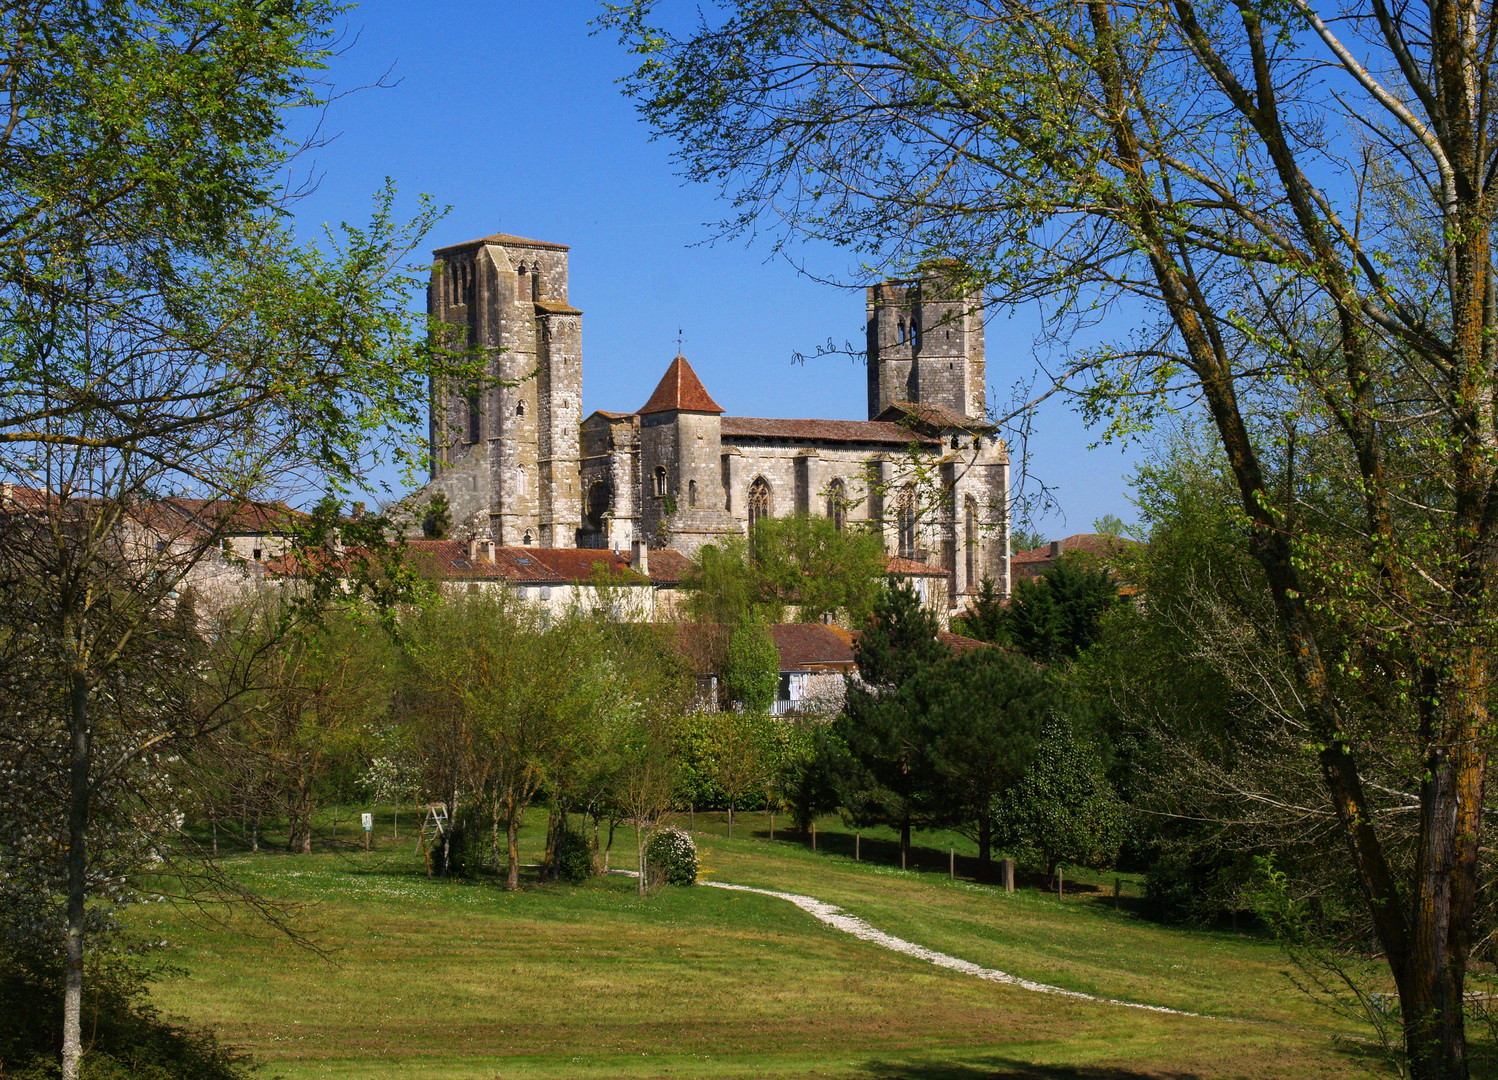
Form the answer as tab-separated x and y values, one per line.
368	821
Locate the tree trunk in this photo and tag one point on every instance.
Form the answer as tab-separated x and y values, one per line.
905	840
513	813
730	819
985	846
640	856
78	810
494	836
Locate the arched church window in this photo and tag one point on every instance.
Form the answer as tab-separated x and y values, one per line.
598	504
837	503
759	502
970	539
915	333
901	325
660	481
905	517
691	493
519	410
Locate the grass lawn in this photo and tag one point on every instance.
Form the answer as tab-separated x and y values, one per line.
429	979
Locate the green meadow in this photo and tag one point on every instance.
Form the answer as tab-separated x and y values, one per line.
419	978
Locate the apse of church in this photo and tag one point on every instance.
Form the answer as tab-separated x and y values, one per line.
521	466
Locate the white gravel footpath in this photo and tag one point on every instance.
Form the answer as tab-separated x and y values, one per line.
851	924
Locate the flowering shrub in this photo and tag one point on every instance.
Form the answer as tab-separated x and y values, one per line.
671	857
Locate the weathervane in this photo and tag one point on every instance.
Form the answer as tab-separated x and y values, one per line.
679	339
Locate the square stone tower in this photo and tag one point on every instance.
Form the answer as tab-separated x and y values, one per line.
925	344
504	447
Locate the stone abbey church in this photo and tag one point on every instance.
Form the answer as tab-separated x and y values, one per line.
521	466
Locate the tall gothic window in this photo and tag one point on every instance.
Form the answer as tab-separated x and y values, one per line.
759	502
660	481
905	517
970	538
837	504
473	416
691	493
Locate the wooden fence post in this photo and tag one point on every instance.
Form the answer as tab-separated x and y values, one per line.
857	855
814	836
1006	872
952	863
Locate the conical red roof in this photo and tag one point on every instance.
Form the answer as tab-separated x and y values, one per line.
680	391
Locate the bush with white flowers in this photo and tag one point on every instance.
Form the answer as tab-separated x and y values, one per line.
671	857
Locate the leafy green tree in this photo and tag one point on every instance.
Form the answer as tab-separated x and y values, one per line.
976	719
1057	616
807	563
438	519
807	780
985	617
1022	539
880	779
751	673
1328	302
1062	811
802	565
163	332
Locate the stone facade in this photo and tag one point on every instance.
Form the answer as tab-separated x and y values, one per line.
521	467
505	448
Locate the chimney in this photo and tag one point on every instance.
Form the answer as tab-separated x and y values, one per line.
1055	552
489	549
473	550
640	557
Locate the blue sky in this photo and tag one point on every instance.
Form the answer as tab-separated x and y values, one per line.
510	113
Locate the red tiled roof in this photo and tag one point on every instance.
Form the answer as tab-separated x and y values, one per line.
543	566
932	415
1099	544
812	647
505	239
910	568
667	567
959	644
865	431
680	390
225	516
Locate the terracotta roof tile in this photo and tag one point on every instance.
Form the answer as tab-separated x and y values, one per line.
864	431
959	644
667	567
812	647
680	390
522	565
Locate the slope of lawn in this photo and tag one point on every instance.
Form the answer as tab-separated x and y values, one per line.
456	980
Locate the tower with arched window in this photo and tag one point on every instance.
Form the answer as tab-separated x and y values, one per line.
505	446
925	343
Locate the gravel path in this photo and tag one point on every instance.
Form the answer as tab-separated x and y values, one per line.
850	924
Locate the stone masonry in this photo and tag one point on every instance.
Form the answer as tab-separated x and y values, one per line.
521	467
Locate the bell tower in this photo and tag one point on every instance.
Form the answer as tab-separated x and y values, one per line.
504	447
925	343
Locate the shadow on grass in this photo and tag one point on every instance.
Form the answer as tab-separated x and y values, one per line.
996	1068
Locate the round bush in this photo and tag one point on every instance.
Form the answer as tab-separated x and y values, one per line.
671	857
574	858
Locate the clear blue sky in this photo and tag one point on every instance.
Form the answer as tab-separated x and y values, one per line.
510	113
